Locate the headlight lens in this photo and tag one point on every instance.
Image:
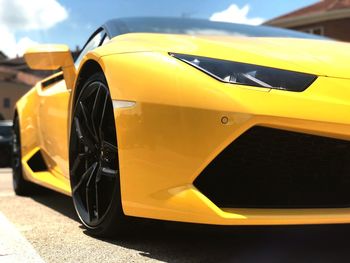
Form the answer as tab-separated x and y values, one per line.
249	74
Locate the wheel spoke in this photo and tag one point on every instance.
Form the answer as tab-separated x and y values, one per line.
98	110
97	187
88	122
104	105
77	162
109	173
90	197
85	177
109	147
95	108
83	139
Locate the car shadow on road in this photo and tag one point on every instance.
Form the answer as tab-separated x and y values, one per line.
179	242
59	202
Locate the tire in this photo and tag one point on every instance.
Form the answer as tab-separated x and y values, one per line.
20	186
4	156
93	160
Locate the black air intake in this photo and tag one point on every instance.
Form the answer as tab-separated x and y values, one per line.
271	168
37	163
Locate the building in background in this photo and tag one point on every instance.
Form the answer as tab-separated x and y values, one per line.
330	18
16	78
15	81
2	56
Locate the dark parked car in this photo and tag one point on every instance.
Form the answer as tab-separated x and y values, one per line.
5	143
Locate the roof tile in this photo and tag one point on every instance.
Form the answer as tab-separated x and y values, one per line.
319	7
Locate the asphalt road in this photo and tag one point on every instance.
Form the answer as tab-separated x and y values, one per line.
51	231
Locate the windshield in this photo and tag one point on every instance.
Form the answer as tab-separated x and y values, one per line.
197	27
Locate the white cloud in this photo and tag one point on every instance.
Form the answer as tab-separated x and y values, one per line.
25	15
234	14
23	44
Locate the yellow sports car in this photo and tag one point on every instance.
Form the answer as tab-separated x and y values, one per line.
190	120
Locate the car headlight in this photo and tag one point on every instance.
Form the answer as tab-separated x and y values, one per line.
249	74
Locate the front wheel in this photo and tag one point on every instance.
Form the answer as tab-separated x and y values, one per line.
94	168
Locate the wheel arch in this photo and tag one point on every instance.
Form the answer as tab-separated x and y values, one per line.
91	65
87	69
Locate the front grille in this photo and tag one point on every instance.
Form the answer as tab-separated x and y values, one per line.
271	168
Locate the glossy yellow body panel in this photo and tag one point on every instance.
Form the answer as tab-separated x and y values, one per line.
43	123
319	57
48	57
52	57
174	130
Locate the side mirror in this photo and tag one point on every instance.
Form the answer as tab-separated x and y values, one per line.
52	57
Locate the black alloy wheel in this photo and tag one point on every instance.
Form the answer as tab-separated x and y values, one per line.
94	167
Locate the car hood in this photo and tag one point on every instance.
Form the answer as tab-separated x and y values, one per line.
320	57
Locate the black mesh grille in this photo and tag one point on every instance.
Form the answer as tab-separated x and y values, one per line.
271	168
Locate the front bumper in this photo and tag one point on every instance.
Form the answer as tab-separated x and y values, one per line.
273	168
167	139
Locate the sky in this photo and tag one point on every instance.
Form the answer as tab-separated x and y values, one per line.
24	23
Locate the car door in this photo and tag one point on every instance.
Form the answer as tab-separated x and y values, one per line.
53	111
